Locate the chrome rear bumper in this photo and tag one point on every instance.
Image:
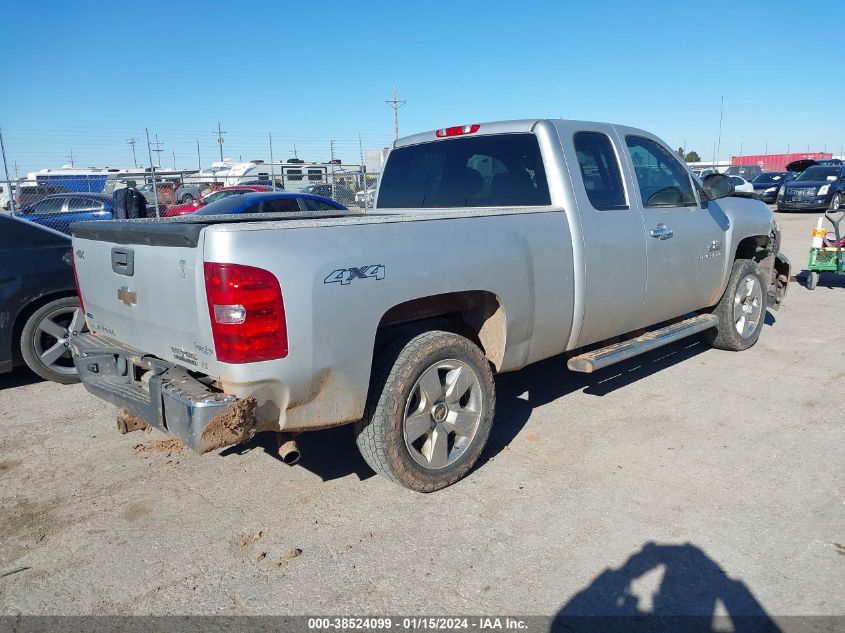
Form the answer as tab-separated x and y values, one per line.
162	394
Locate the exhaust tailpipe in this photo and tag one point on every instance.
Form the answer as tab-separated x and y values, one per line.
288	450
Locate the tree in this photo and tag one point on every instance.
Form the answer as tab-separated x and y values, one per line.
692	157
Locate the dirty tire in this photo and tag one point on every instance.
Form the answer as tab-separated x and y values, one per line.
29	351
725	335
812	280
380	434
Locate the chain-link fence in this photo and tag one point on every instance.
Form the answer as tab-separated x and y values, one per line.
59	196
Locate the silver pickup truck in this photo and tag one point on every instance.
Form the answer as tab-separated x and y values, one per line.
491	246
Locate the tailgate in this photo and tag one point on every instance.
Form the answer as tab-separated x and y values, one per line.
142	284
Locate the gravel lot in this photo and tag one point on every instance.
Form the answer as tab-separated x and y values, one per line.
732	463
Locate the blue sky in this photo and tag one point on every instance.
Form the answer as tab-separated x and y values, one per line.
86	76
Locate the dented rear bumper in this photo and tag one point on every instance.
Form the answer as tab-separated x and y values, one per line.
162	394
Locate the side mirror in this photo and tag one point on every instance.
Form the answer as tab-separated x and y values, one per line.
717	186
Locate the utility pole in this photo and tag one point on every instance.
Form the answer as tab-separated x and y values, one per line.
719	143
152	169
332	164
6	169
220	134
294	151
363	170
71	158
395	104
132	142
16	170
199	158
740	148
173	151
158	151
272	167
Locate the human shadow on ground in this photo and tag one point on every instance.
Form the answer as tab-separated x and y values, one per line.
694	595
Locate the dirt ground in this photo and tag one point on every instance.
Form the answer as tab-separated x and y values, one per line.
689	478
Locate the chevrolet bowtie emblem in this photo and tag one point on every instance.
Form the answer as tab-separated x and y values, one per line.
127	297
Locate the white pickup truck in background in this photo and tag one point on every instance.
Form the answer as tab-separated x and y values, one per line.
492	246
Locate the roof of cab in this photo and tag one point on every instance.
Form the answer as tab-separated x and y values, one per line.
494	127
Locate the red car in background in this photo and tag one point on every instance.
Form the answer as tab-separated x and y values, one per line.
225	192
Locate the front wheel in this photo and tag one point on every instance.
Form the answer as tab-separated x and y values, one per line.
187	198
741	310
46	336
836	202
429	411
812	280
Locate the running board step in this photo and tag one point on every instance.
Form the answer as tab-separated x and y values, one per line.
597	359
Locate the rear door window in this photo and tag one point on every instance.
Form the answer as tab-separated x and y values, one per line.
77	203
284	205
600	171
317	205
663	182
501	170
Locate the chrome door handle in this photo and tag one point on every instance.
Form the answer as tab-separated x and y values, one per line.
662	232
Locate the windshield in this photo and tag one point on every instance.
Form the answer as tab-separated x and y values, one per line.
770	177
217	195
818	173
227	204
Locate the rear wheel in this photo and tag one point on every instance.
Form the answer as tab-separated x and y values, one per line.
429	411
46	336
742	309
812	280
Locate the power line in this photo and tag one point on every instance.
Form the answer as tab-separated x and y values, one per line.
395	104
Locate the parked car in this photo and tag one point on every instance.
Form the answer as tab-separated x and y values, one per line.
169	193
766	185
40	310
367	196
488	251
58	210
260	183
741	184
272	202
748	172
30	195
817	188
219	194
341	193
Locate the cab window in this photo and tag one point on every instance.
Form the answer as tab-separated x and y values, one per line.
600	171
663	182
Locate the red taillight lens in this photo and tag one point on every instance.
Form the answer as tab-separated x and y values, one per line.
247	313
458	130
76	281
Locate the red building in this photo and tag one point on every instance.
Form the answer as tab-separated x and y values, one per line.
777	162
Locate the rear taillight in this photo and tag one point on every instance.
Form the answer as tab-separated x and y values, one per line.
76	281
247	313
458	130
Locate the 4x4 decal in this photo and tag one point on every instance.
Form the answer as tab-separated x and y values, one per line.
344	276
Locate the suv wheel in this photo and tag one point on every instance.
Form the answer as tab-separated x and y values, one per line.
45	339
429	411
742	309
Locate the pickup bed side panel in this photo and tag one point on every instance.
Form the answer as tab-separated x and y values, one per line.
338	282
